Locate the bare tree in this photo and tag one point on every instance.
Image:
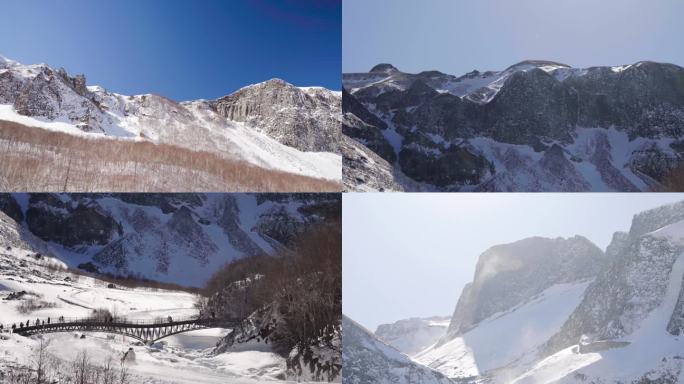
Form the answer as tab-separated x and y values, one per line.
124	375
108	375
81	368
40	361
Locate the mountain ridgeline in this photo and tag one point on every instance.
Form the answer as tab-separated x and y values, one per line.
535	126
271	126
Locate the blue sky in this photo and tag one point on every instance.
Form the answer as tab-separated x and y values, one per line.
180	49
457	36
410	254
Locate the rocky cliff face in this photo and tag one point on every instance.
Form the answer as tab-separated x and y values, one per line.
603	128
179	238
366	359
272	124
508	275
560	311
633	284
303	118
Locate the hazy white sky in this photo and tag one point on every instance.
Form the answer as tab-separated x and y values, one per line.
410	254
457	36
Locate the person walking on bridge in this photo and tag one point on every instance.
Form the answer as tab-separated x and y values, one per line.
48	321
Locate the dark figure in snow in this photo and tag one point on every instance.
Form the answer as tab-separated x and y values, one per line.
213	314
43	324
48	320
21	325
37	322
14	326
27	322
1	327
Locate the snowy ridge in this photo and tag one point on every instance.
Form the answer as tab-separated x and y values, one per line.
368	360
38	96
535	126
411	336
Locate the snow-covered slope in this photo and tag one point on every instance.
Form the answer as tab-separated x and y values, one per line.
535	126
366	359
411	336
639	344
509	337
38	96
620	324
178	238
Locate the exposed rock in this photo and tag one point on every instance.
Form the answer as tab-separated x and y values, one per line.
507	275
306	119
528	107
638	271
71	225
10	207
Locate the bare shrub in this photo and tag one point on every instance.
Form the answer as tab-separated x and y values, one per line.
81	369
47	161
101	314
30	305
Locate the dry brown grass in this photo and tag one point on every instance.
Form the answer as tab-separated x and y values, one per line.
39	160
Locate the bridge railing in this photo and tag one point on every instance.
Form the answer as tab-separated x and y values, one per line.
118	320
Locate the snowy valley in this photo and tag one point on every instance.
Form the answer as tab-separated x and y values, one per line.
149	259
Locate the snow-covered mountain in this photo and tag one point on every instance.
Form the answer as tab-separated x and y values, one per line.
616	320
177	238
411	336
367	360
535	126
273	125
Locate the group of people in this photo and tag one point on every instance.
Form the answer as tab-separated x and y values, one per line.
36	323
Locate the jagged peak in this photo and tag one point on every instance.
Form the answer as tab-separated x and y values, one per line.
384	68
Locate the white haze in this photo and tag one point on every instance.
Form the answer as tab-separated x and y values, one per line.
409	255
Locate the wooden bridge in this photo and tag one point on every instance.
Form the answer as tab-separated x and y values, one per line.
146	331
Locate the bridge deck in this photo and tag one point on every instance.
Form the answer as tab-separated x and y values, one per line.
143	330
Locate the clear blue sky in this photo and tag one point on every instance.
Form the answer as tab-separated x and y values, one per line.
180	49
410	254
457	36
